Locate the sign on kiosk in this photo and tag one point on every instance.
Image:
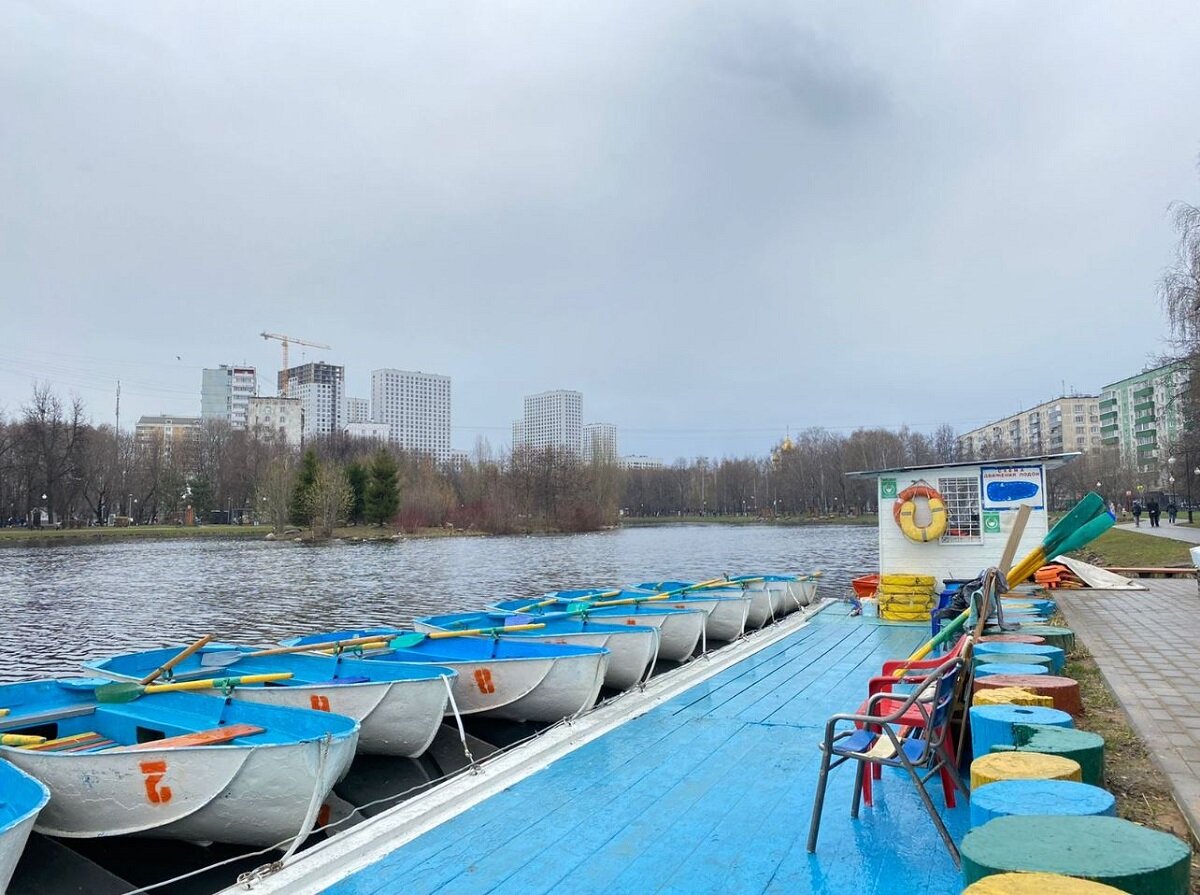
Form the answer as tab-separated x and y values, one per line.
1010	487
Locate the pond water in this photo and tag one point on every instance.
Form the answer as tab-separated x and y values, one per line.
64	604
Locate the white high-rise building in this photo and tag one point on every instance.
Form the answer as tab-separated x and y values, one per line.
600	443
321	389
358	410
552	420
416	408
225	394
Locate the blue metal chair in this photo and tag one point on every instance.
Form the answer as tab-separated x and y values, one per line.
931	699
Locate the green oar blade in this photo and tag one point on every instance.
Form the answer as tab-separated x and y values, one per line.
406	641
1084	511
1083	535
119	692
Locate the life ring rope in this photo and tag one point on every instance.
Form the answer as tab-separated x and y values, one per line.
904	511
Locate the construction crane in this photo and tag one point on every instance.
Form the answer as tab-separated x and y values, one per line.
286	340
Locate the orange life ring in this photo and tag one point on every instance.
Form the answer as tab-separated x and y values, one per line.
905	511
908	494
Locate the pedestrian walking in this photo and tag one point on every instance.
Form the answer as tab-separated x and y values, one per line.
1172	512
1153	511
1137	513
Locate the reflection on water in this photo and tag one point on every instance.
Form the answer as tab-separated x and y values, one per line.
65	604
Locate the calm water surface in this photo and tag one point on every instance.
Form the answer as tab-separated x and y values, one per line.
64	604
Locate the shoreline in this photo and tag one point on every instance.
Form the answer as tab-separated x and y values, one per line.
25	537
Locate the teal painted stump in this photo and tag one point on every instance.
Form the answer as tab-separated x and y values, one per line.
1007	798
1057	657
1105	849
1008	668
1018	659
992	725
1077	745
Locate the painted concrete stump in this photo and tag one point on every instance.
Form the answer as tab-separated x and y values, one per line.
1017	659
1008	798
1010	696
1022	766
998	667
1109	850
1063	690
1012	638
993	725
1078	745
1037	884
1063	638
1056	656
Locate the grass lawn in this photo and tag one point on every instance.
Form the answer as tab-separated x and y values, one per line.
26	536
1131	549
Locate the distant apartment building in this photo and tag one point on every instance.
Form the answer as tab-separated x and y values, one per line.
368	431
415	407
278	418
225	393
1069	423
177	435
551	420
321	389
1142	415
639	461
600	443
358	410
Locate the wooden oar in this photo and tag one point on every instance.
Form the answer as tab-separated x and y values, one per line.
327	645
127	692
405	641
552	600
662	595
171	663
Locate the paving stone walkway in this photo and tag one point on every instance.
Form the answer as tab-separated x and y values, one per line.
1145	644
1186	533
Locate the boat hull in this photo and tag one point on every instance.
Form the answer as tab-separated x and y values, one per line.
21	798
243	792
679	630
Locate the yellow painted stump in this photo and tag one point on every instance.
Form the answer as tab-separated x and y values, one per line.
1022	766
1011	696
1037	884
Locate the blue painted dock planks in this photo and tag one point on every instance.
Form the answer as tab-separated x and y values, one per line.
708	793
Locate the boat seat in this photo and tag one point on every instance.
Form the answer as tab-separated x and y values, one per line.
80	742
214	737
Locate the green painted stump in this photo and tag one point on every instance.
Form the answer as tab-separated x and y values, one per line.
1108	850
1077	745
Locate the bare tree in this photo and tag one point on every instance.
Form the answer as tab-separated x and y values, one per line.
328	499
274	495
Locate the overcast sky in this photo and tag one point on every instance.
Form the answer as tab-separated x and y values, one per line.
715	220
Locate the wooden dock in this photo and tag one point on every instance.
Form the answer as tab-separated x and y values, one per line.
702	784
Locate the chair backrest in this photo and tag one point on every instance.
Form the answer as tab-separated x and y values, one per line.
947	679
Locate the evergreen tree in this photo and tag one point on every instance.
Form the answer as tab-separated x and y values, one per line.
357	475
383	492
301	509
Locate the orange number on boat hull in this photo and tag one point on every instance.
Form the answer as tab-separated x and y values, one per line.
155	771
319	702
631	621
483	680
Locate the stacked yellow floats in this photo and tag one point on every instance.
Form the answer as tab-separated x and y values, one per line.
906	598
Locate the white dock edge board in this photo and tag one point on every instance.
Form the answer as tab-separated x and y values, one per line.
342	855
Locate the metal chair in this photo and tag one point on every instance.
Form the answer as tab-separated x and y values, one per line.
884	725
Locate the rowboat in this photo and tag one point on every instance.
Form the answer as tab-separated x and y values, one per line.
679	630
758	603
500	677
632	649
865	585
798	590
725	617
400	707
21	798
173	765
